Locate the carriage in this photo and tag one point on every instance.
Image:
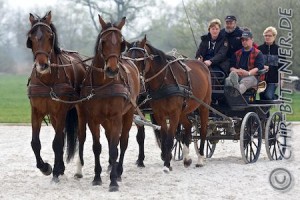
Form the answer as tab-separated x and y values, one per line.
234	116
105	93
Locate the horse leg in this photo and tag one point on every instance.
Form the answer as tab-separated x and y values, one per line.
81	139
36	121
127	123
204	113
140	138
168	141
58	146
186	139
113	129
95	130
156	132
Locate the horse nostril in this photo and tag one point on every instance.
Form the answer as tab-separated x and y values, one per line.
111	73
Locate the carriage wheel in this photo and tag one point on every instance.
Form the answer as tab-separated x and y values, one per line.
250	137
209	147
177	147
273	141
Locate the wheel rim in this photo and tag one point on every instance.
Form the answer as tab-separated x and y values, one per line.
250	137
274	146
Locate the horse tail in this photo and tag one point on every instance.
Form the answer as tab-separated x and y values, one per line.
156	132
71	129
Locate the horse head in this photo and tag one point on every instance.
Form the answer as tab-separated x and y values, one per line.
110	45
42	40
138	52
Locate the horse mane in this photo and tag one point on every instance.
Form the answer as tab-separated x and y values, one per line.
160	54
56	48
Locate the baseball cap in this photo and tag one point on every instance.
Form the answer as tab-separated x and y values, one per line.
247	34
230	18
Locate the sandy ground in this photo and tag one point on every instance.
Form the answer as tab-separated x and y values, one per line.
225	176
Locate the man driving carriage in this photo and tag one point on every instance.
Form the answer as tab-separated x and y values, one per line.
245	64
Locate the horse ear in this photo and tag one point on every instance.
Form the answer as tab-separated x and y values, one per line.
143	42
102	22
121	24
31	18
48	17
127	44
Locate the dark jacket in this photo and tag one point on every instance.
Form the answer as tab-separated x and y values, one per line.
215	51
271	58
234	40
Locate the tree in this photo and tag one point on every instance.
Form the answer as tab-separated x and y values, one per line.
115	10
256	15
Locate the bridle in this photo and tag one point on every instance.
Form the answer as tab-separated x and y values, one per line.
40	51
146	56
110	30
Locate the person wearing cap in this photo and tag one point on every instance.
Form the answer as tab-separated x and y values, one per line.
270	52
213	48
233	34
245	64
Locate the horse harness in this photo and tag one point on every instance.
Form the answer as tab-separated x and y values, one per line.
110	89
164	90
56	90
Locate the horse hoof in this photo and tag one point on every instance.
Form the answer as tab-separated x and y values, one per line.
47	170
199	165
166	170
97	182
55	179
140	163
77	176
113	187
187	162
119	179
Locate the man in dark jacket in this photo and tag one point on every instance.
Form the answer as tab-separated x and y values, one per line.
233	34
245	64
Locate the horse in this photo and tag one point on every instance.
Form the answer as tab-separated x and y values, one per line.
115	85
177	88
53	88
144	106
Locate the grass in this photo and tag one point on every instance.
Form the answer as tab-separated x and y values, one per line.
14	103
15	107
295	107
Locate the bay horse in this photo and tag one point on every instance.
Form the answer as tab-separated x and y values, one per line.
115	85
171	83
56	74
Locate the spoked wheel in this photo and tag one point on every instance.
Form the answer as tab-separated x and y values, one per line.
250	137
177	147
275	145
209	146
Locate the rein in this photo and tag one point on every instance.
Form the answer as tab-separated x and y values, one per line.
163	69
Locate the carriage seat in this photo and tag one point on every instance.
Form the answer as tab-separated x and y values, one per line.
217	81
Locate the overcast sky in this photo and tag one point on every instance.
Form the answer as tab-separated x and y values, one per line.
27	4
